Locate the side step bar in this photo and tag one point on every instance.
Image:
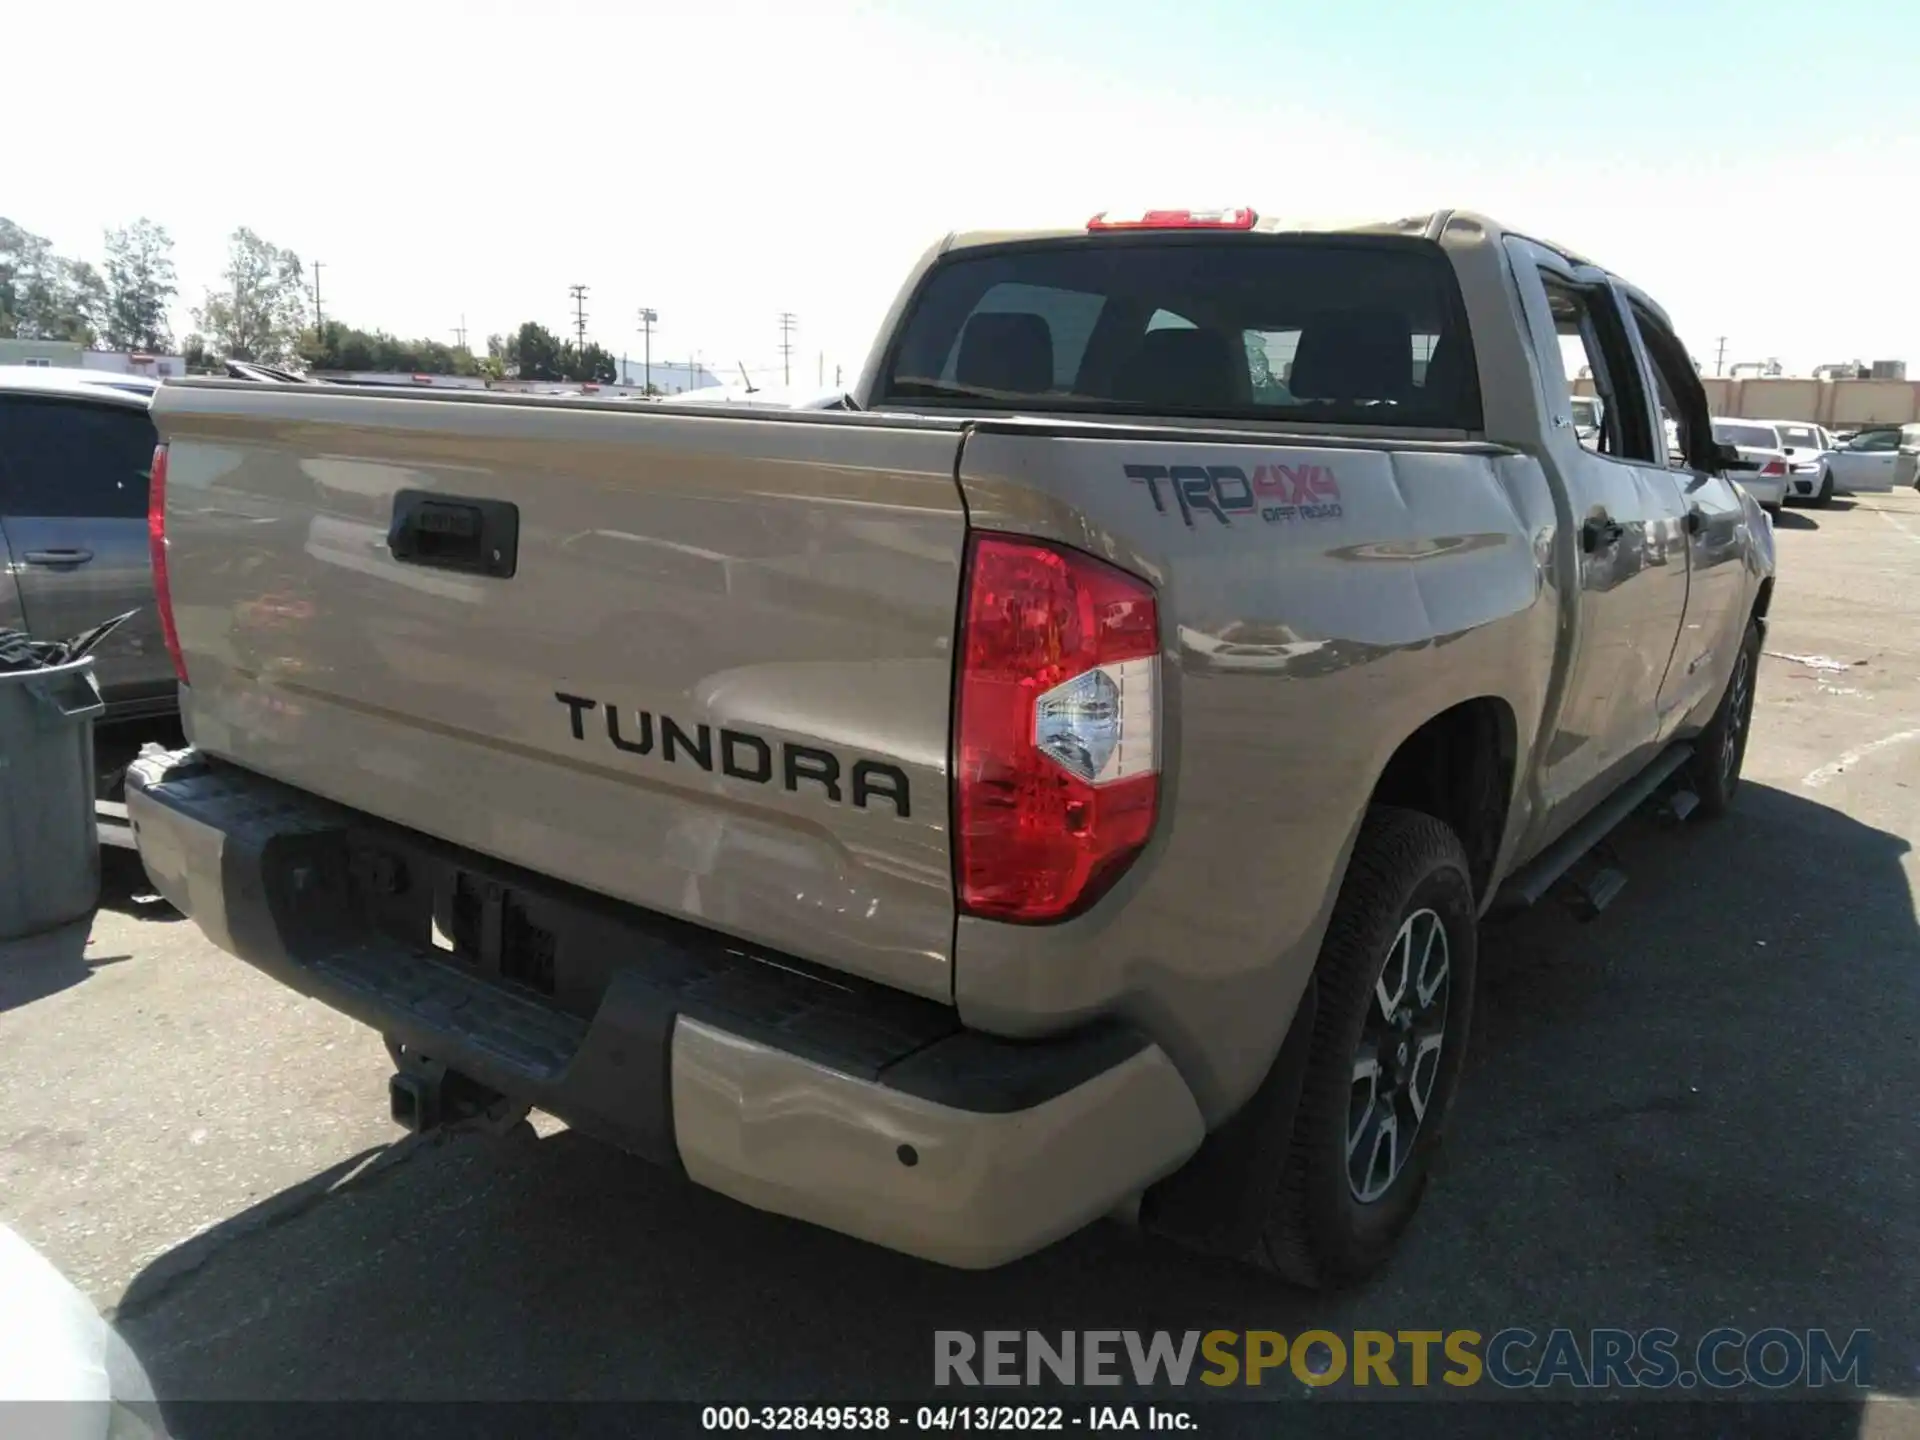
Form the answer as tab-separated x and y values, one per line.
1529	884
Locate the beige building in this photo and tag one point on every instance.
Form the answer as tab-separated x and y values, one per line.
1836	404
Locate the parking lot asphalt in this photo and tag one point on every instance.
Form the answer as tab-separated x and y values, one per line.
1699	1109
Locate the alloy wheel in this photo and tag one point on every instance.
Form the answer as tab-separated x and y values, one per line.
1739	699
1398	1057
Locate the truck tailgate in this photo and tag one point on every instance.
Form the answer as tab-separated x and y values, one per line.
710	674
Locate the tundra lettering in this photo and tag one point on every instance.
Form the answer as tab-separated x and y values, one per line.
744	756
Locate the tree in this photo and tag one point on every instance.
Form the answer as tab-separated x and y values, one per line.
80	303
23	262
140	286
593	364
262	311
44	296
342	347
536	353
198	357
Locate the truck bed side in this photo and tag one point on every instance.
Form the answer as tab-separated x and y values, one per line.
1324	598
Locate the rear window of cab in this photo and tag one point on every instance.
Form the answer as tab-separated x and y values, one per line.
1335	330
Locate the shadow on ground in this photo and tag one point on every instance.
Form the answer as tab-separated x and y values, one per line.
40	965
37	966
1695	1111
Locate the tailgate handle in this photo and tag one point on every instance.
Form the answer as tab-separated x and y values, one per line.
455	532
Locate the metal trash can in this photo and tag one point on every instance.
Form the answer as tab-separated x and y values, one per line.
49	839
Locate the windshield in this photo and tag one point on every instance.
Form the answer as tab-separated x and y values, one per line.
1352	332
1747	437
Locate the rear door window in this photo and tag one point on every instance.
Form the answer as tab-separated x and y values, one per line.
1344	330
1749	437
70	458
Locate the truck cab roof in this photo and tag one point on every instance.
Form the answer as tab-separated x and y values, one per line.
1433	225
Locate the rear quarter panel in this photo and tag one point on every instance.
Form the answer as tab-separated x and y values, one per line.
1302	645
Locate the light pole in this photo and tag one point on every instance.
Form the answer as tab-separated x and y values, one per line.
648	319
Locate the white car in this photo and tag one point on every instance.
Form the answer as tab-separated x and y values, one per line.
1809	477
65	1374
1761	449
1588	413
1867	460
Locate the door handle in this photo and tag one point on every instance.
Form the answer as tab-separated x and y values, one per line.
455	532
58	558
1696	520
1600	532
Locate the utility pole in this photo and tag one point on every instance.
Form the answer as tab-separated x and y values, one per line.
648	319
1720	355
579	294
460	333
788	324
319	320
836	377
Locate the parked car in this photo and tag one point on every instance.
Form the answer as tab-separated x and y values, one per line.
59	377
1906	465
1763	455
64	1371
1806	448
827	804
75	451
1867	461
1587	410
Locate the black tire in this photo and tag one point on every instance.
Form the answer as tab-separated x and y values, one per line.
1722	747
1774	510
1318	1228
1826	488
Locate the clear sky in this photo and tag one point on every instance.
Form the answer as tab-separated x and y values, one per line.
1755	166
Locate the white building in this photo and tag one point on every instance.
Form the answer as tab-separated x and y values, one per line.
69	355
669	377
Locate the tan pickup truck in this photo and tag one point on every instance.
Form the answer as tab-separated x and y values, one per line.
1069	782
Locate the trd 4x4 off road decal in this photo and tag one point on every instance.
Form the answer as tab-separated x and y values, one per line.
1277	494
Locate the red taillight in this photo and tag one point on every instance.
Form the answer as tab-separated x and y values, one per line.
157	549
1056	761
1239	218
1774	467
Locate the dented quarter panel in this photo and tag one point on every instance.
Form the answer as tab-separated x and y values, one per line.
1302	645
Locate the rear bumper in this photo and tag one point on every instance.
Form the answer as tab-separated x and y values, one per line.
1767	491
801	1092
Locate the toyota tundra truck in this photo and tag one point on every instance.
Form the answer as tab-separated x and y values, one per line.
1067	782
